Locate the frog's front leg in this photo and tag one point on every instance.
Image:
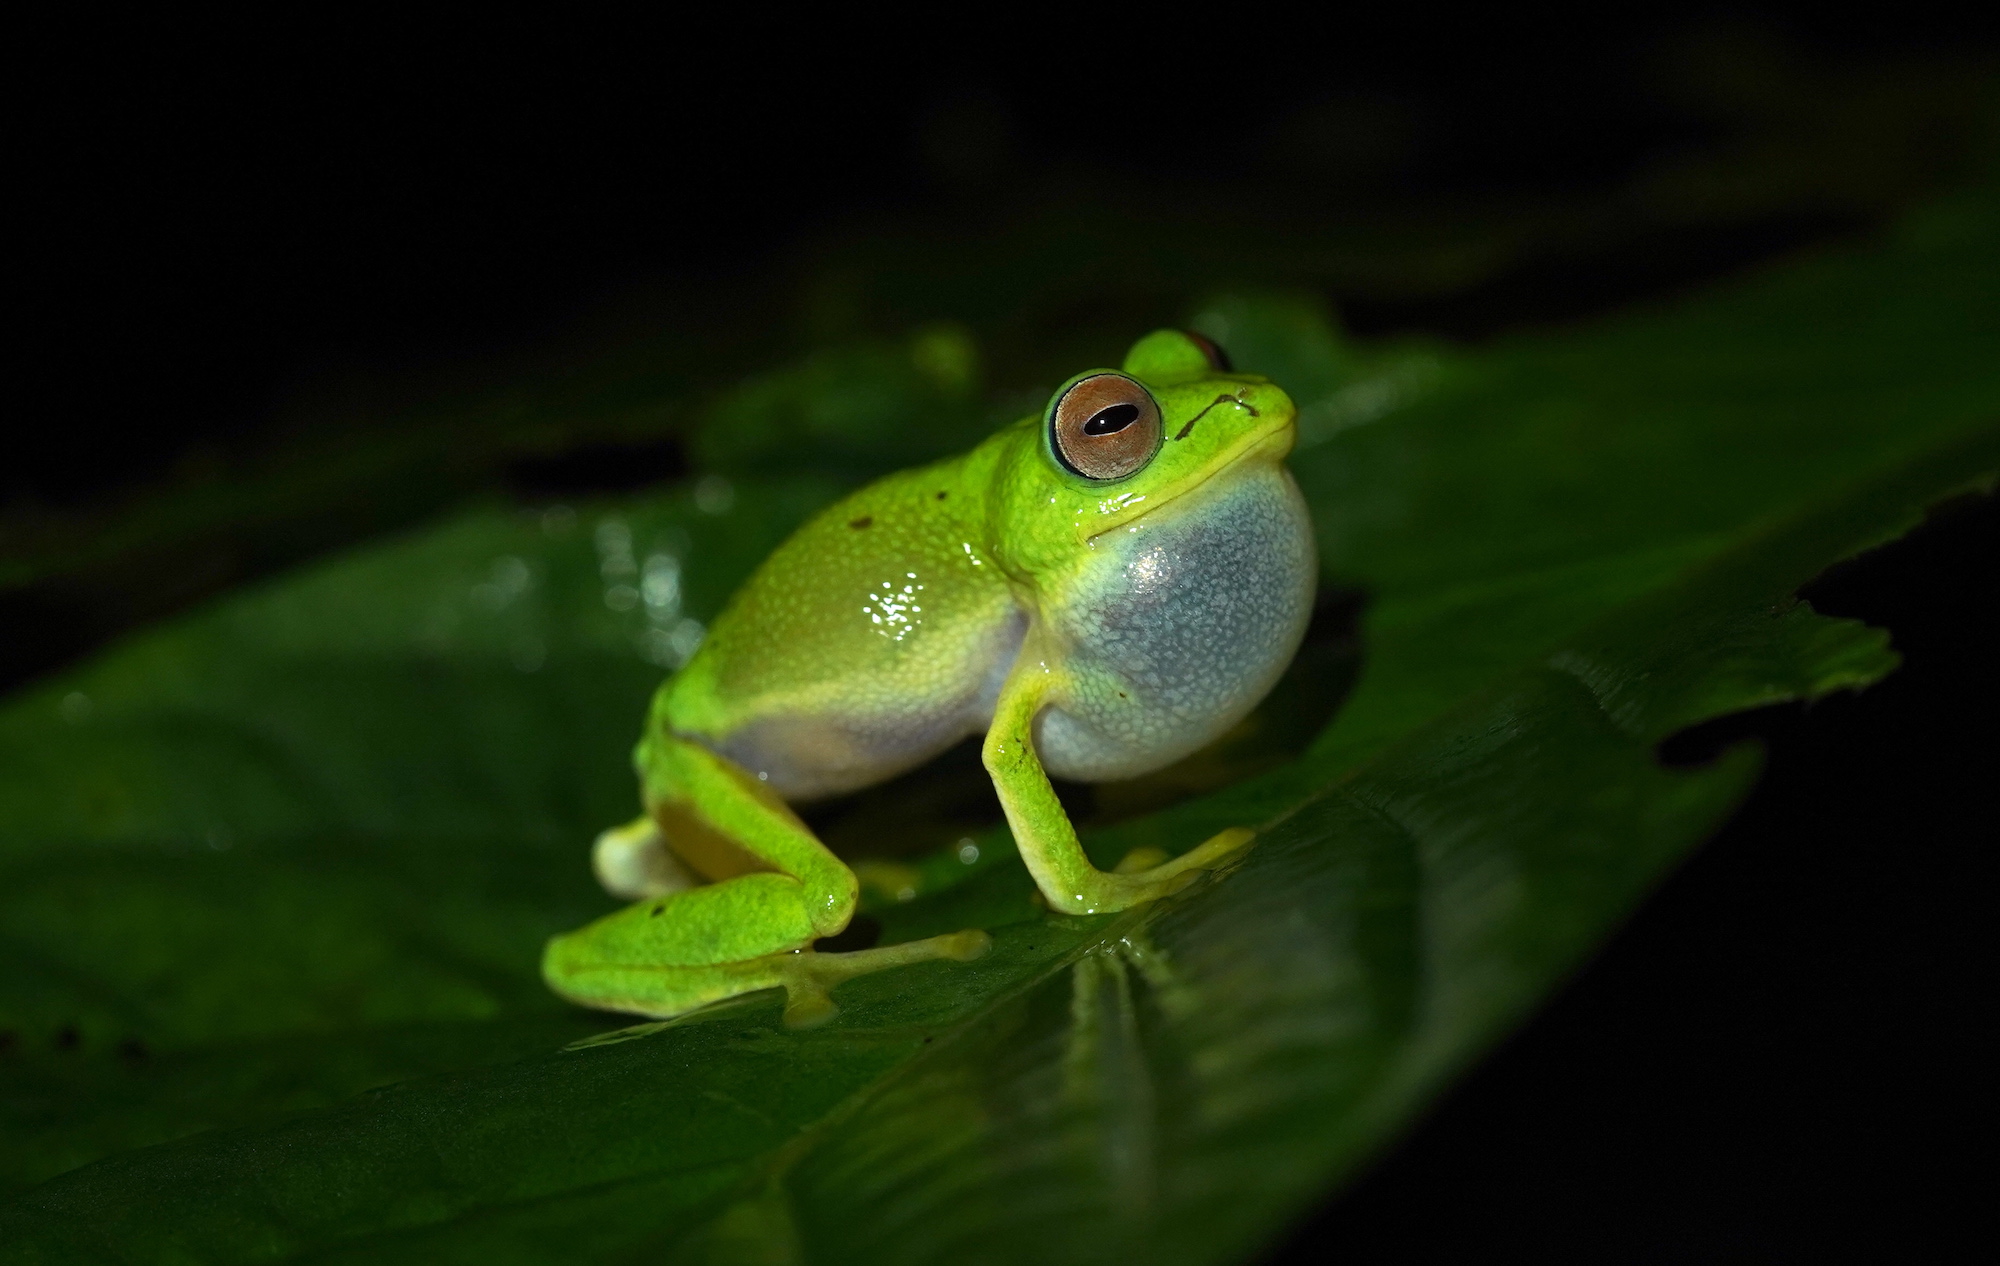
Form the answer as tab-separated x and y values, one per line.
1041	828
772	888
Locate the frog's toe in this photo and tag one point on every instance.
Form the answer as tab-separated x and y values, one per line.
809	976
1143	858
807	1004
1217	850
1140	877
963	947
633	861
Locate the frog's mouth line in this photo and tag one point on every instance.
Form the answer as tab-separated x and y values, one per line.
1279	438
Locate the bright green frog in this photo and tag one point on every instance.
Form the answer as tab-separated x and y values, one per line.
1100	590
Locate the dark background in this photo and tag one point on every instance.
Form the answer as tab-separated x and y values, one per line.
237	242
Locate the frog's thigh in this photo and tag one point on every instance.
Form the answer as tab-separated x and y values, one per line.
722	822
1042	829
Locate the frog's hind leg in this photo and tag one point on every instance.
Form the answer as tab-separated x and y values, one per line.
670	955
723	821
736	889
719	822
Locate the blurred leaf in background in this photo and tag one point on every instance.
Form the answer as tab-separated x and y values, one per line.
1034	256
856	410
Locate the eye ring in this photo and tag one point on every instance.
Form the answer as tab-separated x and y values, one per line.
1104	426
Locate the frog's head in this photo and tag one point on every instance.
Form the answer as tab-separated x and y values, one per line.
1116	445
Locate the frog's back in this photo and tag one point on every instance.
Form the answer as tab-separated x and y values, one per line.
872	639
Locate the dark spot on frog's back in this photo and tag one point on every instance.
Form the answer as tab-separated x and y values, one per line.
866	520
942	495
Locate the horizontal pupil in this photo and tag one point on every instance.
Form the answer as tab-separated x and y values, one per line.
1111	420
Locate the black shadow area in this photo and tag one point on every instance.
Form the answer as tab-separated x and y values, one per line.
1787	1054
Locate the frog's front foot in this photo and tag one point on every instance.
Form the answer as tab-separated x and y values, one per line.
1142	876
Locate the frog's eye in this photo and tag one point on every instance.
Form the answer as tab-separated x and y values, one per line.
1105	426
1218	360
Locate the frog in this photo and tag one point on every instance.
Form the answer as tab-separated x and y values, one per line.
1097	590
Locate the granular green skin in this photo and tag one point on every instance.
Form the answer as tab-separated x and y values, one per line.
1101	626
883	603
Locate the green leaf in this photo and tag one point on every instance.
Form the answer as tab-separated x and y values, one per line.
274	879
